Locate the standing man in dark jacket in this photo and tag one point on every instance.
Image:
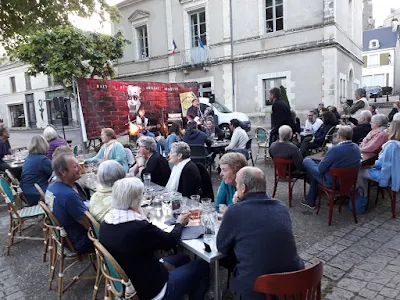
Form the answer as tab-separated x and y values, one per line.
193	136
258	232
281	114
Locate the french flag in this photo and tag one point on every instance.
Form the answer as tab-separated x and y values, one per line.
174	47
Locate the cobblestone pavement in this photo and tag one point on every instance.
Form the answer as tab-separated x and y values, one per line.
361	261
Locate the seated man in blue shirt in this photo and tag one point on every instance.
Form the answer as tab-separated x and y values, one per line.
346	154
257	232
66	203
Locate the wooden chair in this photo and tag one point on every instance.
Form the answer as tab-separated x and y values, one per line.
117	282
283	171
18	216
392	195
46	231
248	148
93	234
300	285
262	138
19	195
63	251
347	180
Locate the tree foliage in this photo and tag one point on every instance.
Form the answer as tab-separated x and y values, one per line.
20	18
67	52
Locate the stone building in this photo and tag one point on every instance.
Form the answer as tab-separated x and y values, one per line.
239	49
368	17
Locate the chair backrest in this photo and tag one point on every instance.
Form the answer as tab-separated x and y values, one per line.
56	227
347	178
12	178
283	167
299	285
94	224
9	197
198	151
261	134
121	286
39	189
206	184
248	144
329	136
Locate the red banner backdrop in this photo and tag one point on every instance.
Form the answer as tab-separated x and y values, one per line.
109	103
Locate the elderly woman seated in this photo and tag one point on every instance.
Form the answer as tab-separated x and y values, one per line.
36	169
230	164
51	135
111	149
100	203
385	171
132	240
374	140
185	176
148	160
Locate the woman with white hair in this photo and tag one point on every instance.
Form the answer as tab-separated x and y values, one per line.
36	169
132	240
111	149
51	135
185	176
100	203
374	140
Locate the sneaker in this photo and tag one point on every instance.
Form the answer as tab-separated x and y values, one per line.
306	204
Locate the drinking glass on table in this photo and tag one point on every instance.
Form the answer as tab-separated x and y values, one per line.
206	204
195	198
195	214
147	180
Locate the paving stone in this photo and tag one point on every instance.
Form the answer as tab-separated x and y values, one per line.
332	272
378	237
340	263
360	231
388	252
368	294
339	294
17	295
393	268
325	243
375	286
345	242
351	284
388	292
361	274
332	251
337	234
352	237
383	277
325	256
361	250
305	256
369	226
375	268
366	242
351	256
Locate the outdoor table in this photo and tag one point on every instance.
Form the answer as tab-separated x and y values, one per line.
158	215
367	159
220	144
15	167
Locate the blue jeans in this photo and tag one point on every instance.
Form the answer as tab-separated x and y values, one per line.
188	278
316	178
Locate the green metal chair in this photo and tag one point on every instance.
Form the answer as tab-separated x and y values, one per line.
18	216
262	138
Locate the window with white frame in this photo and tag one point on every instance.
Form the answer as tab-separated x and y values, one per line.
28	83
205	89
13	87
373	60
269	84
143	42
374	44
198	28
274	15
17	115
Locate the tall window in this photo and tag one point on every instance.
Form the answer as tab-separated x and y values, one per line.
198	28
143	41
205	89
269	84
13	87
274	15
28	82
373	60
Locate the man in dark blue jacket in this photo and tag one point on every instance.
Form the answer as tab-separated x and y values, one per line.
193	136
257	231
346	154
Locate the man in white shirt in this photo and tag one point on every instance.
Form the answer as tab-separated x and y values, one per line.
239	136
312	123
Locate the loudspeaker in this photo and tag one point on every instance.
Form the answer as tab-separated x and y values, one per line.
58	103
211	98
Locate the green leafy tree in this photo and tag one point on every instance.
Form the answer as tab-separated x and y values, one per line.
20	18
67	52
284	96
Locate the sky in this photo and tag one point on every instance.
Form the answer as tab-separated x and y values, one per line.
381	9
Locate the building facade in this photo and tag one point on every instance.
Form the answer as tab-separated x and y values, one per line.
239	49
381	58
26	101
368	17
394	14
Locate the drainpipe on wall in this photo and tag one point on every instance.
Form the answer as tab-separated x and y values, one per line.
232	64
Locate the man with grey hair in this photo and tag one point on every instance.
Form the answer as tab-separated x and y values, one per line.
284	148
149	161
66	203
345	154
257	231
360	104
364	126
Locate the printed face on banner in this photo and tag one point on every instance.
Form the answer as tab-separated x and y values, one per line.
112	103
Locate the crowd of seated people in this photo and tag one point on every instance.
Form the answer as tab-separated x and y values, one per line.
364	126
378	135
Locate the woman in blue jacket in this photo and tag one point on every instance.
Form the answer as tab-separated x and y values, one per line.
36	169
111	149
386	168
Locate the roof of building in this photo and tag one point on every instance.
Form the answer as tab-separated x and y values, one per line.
385	36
